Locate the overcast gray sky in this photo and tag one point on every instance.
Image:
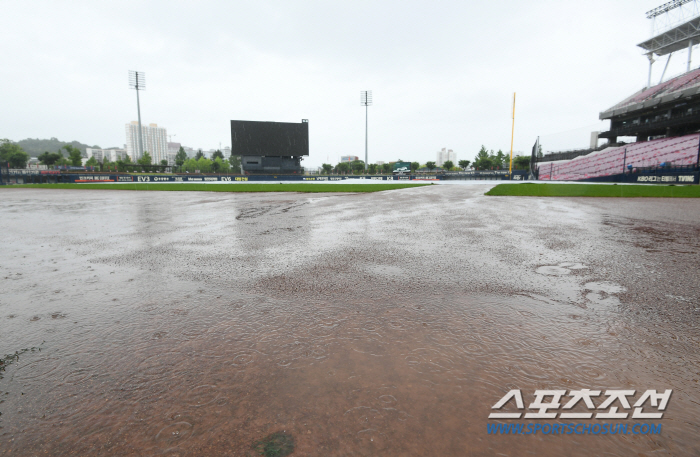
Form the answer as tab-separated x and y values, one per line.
442	73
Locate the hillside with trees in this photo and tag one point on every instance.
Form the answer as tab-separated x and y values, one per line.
35	146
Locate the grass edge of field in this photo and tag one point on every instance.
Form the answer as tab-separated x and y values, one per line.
595	190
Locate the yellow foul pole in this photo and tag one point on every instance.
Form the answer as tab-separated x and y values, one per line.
512	132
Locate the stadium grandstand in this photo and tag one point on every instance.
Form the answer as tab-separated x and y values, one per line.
672	154
664	119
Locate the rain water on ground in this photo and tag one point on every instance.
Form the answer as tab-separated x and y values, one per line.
198	324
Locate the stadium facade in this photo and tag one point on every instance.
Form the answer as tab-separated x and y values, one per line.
663	119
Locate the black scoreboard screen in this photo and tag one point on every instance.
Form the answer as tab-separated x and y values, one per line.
282	139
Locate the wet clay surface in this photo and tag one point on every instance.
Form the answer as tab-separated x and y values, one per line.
197	324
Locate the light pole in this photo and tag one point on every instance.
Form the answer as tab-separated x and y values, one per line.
137	81
366	101
512	132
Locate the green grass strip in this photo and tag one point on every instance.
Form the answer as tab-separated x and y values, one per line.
238	187
594	190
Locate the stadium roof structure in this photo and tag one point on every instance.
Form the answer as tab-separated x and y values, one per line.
669	108
683	86
680	37
675	26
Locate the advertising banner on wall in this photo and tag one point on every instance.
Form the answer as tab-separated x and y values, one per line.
402	167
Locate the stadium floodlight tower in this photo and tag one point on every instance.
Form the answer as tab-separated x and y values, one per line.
366	101
674	26
137	81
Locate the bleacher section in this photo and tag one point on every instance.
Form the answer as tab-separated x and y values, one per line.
680	83
678	151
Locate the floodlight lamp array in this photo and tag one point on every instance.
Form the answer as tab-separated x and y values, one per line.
137	80
366	98
666	7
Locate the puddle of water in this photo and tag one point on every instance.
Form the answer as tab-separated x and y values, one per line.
342	381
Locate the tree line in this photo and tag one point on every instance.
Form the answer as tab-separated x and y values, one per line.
16	157
484	160
13	154
488	160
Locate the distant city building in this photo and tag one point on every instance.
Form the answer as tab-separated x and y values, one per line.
190	152
444	155
349	158
111	155
173	149
155	141
208	153
380	162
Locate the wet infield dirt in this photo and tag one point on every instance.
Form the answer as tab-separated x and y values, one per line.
195	324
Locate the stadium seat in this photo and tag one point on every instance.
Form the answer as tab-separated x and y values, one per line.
615	160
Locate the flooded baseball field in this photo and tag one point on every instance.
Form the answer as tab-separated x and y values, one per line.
198	324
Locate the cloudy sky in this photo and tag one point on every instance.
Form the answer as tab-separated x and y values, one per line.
442	73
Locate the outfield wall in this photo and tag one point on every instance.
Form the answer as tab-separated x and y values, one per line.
659	177
36	177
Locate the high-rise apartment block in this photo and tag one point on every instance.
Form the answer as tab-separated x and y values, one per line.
173	149
444	155
111	155
155	141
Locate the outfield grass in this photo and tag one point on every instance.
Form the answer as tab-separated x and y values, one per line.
594	190
238	187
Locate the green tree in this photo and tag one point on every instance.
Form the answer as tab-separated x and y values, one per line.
415	166
448	165
190	165
217	154
180	157
13	154
483	161
372	168
91	162
499	160
358	166
199	155
216	165
463	164
222	166
386	168
430	165
122	165
164	162
74	155
106	165
343	167
235	162
49	158
521	162
539	152
204	165
145	159
327	168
